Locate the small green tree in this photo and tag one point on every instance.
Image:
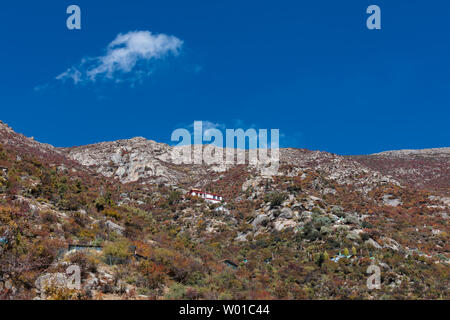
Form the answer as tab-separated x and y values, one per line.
275	199
174	197
319	259
102	201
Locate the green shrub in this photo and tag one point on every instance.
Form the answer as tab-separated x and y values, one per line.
275	199
102	201
174	197
225	296
176	292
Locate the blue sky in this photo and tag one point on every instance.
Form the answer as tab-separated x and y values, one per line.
309	68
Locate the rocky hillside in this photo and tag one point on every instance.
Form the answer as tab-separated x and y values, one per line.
119	211
426	169
142	160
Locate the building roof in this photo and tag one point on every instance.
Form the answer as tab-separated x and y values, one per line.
200	191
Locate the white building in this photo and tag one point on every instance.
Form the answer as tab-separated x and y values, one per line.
211	197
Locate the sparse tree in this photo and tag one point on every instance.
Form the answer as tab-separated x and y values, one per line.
346	252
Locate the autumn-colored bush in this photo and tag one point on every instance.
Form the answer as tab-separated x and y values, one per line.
113	213
87	263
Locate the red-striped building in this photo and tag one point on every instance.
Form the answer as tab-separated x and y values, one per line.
211	197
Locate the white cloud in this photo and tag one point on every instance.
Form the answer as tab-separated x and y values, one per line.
127	57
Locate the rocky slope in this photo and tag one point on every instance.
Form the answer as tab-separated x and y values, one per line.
143	160
308	232
22	145
426	169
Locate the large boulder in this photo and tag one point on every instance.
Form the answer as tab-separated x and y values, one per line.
49	280
286	213
391	244
353	236
222	210
274	213
282	224
373	243
351	219
114	227
262	219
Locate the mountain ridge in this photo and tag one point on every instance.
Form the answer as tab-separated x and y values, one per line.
289	229
142	159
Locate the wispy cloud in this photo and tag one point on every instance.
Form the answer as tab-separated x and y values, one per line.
129	57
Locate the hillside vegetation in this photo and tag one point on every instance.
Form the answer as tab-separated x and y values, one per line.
150	240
